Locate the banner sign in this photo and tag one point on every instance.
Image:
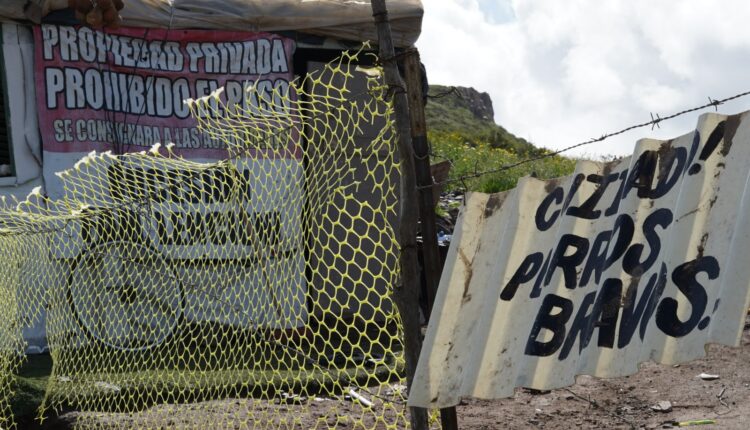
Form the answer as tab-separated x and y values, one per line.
643	258
124	91
126	87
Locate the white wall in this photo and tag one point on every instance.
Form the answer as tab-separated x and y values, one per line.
18	62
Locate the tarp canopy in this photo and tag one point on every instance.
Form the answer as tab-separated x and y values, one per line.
339	19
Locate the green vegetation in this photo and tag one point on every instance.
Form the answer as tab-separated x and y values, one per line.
29	387
248	362
473	144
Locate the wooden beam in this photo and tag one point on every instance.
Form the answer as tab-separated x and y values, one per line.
433	266
406	295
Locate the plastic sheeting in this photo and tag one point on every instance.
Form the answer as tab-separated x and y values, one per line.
643	258
338	19
18	61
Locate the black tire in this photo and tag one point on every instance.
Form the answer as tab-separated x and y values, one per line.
125	295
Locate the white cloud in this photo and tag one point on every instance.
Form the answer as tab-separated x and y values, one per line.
561	72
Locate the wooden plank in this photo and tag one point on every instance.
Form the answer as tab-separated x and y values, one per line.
431	254
405	295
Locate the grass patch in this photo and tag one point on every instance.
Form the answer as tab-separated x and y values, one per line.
470	156
140	390
29	386
474	145
238	364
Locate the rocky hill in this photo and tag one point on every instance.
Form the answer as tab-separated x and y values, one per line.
469	113
480	104
462	129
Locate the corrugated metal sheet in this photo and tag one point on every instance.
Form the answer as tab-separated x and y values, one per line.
644	258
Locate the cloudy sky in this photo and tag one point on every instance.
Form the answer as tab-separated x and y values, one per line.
561	72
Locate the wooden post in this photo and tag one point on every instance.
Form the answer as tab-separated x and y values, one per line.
413	75
406	295
431	255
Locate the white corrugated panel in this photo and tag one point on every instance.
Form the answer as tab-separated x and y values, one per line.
644	258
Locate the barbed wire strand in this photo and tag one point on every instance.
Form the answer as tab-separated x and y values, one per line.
451	90
655	121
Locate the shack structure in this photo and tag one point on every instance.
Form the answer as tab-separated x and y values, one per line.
67	90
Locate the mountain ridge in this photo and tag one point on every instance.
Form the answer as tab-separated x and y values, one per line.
462	130
470	112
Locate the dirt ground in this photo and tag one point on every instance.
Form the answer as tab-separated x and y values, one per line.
620	403
626	403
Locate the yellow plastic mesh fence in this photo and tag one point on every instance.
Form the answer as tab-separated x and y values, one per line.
253	292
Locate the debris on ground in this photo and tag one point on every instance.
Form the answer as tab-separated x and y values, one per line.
106	386
396	390
662	406
692	423
708	377
353	395
292	399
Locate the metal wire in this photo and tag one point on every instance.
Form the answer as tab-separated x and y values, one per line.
655	121
440	95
